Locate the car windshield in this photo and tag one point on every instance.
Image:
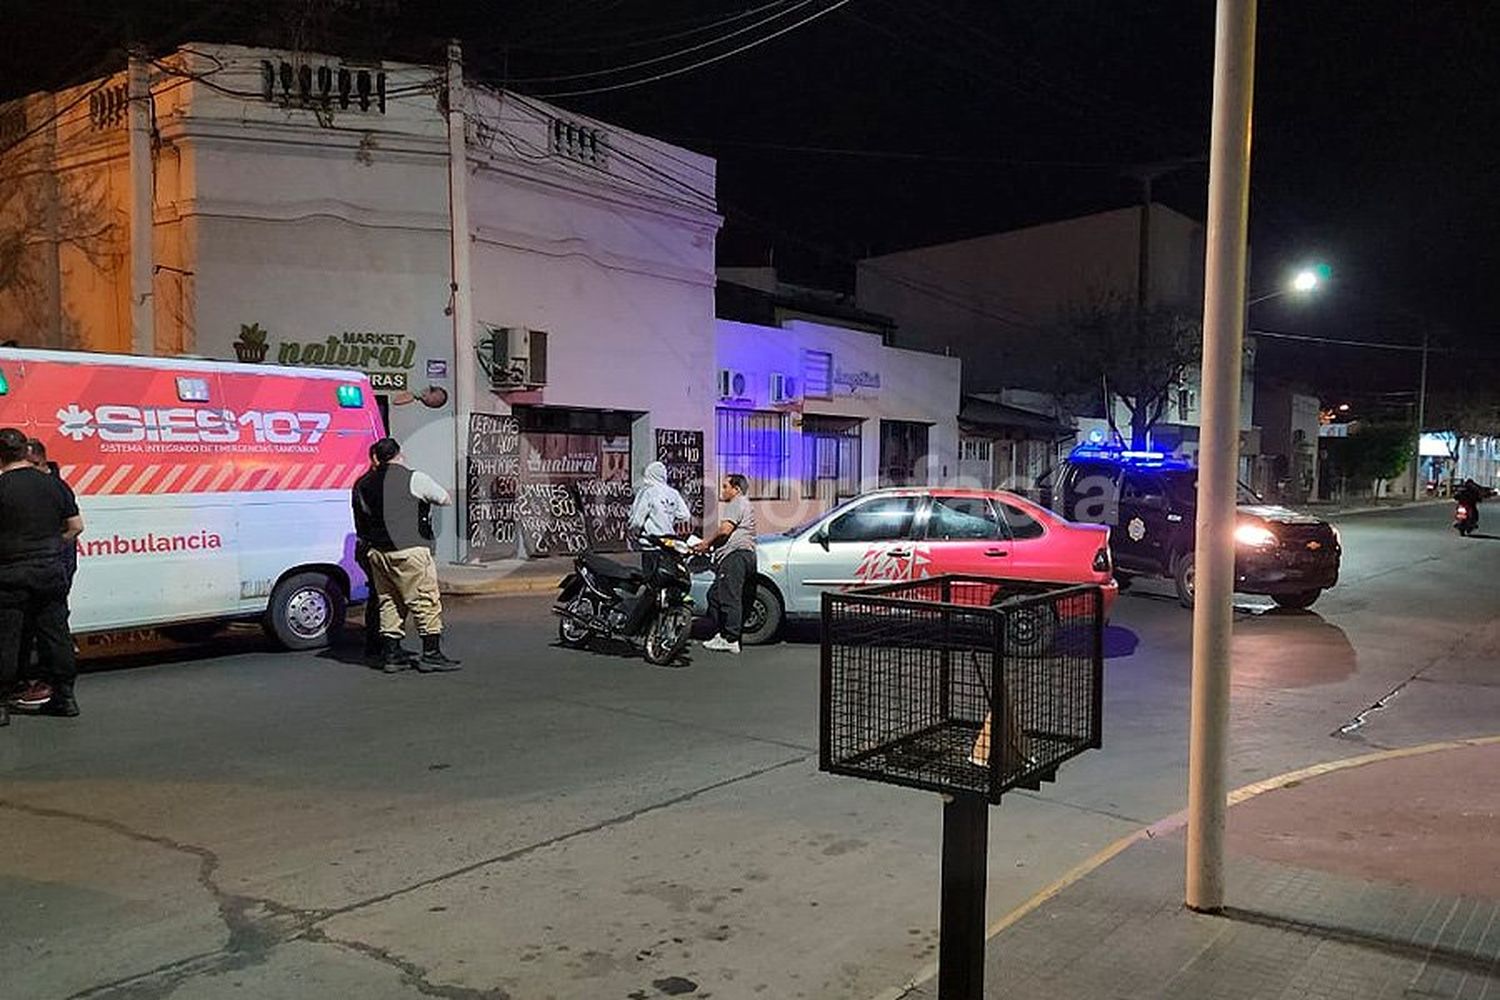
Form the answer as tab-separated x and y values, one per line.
817	519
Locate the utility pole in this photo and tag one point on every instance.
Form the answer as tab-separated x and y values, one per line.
461	290
1223	344
142	212
1416	465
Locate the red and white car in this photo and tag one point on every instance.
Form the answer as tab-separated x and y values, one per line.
911	533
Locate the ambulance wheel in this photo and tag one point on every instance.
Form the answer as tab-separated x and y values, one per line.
305	609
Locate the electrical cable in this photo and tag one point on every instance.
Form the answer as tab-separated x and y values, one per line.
796	5
720	57
655	37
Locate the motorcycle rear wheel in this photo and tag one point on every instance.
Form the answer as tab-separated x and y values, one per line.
668	635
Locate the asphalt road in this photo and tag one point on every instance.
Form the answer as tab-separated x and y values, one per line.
225	820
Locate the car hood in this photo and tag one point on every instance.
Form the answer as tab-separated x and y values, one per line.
1278	515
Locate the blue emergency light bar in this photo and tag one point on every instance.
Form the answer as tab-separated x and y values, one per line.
1127	456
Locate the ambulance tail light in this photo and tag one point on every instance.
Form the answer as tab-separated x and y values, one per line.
351	396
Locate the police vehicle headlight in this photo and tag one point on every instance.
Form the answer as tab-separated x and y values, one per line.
1254	536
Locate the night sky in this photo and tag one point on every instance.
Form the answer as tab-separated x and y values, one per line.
894	123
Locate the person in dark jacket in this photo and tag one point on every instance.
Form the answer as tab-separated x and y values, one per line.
391	505
33	691
364	531
38	517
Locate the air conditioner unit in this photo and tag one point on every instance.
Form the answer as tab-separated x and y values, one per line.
783	388
518	358
733	384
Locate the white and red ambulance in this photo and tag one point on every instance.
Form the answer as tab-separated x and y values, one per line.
209	490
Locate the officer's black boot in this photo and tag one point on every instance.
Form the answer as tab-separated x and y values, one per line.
434	660
394	656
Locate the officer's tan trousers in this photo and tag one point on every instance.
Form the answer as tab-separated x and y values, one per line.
406	581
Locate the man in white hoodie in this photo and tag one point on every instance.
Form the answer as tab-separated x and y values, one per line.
658	510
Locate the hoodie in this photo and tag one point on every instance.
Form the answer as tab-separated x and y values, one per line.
658	507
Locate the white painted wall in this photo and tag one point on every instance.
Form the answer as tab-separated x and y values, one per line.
914	386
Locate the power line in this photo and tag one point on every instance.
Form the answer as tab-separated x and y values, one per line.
835	5
891	154
656	39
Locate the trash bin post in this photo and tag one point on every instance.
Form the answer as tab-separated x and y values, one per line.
966	827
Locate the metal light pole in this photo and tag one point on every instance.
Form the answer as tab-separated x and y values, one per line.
1223	343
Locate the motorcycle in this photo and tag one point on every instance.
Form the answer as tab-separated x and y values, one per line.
608	599
1465	518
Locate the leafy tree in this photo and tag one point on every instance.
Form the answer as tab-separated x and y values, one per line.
1465	404
1141	353
1371	452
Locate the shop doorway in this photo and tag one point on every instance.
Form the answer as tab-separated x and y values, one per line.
831	458
575	486
903	453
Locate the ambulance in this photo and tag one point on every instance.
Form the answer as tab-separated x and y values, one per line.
209	491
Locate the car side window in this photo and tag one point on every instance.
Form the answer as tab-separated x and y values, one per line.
883	519
1022	525
1141	486
956	519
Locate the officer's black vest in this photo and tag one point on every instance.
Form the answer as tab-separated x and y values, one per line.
387	516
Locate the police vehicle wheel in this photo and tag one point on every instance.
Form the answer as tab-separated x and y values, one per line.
1299	600
305	608
571	632
1185	576
668	635
763	623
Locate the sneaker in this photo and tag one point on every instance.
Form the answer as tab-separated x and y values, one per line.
61	704
719	644
31	696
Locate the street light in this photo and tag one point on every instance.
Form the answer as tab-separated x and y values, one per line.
1304	281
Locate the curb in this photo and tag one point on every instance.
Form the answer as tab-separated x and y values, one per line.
503	587
1174	822
1334	514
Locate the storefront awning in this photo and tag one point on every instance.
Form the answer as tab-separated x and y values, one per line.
985	418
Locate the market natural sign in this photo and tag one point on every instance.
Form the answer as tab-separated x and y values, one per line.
387	358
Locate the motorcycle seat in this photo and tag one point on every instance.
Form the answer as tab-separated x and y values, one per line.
608	569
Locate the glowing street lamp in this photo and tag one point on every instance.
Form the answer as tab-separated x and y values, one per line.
1306	280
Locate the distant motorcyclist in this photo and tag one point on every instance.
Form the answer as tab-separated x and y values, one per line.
1470	494
658	510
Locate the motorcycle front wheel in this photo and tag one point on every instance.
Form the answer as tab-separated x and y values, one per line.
668	635
571	631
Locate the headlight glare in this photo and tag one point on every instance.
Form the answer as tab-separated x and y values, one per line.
1254	536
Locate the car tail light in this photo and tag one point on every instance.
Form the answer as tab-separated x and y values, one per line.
1102	563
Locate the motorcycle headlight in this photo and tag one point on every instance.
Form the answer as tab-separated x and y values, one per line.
1255	536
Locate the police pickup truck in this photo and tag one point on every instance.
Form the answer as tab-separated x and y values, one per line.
1150	500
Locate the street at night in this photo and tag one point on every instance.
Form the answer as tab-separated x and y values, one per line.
229	820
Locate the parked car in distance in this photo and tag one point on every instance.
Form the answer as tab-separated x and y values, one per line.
1151	502
910	533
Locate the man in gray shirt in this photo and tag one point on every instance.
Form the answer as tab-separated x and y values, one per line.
733	593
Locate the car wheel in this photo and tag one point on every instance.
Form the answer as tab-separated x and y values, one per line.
763	623
305	608
1185	576
1297	600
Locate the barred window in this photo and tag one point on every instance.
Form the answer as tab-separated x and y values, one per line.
754	444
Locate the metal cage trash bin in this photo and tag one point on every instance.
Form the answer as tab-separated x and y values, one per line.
960	684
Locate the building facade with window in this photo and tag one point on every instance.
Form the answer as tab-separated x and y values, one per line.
299	209
813	414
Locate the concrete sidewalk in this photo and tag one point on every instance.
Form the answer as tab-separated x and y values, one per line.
1369	878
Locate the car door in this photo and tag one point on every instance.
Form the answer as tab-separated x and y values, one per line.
1140	539
867	542
1032	555
964	535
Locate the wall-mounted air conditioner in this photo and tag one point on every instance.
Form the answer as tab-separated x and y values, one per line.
733	384
783	388
518	358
